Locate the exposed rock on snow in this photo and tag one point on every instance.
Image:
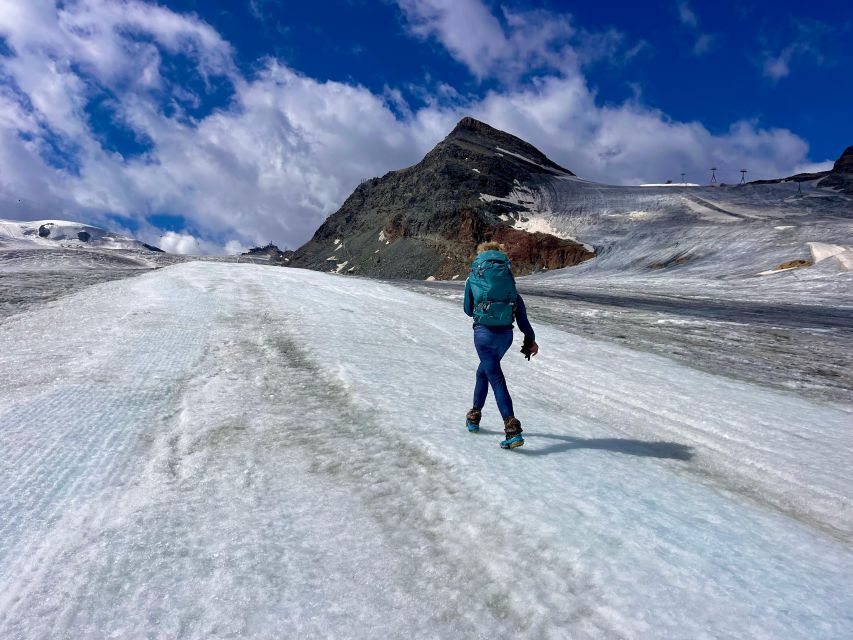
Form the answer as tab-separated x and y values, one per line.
675	260
787	266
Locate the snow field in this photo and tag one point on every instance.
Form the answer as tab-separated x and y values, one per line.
235	450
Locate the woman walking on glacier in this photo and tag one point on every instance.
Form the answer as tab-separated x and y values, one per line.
492	301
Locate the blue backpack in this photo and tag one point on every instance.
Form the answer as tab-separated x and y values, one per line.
494	290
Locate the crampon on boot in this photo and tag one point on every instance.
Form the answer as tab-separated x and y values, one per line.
472	420
512	429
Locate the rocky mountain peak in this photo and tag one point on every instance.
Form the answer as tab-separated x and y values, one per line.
474	132
471	128
479	183
841	176
844	164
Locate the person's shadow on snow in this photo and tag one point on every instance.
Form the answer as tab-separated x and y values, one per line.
659	449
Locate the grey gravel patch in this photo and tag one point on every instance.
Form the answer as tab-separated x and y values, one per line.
804	349
22	291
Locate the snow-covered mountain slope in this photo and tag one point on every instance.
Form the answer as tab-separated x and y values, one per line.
217	450
63	233
720	232
767	239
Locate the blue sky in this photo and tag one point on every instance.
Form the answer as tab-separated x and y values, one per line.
225	124
694	60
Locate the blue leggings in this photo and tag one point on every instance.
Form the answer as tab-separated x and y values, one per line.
491	345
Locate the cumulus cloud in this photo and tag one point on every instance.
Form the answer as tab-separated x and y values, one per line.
180	243
631	143
284	150
269	165
188	244
813	167
280	160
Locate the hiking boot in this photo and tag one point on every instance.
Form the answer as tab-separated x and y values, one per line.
512	428
512	443
472	420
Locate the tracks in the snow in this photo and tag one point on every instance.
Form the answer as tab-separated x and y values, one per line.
207	457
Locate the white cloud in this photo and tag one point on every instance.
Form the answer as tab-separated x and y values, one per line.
466	28
813	167
288	149
804	47
525	42
274	166
631	143
269	166
235	247
180	243
704	42
187	244
779	66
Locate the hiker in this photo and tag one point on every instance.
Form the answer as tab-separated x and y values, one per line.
493	302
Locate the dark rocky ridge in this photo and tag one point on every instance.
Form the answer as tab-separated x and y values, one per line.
270	254
427	220
841	176
799	177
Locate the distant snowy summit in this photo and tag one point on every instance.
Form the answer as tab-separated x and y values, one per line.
64	234
479	183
